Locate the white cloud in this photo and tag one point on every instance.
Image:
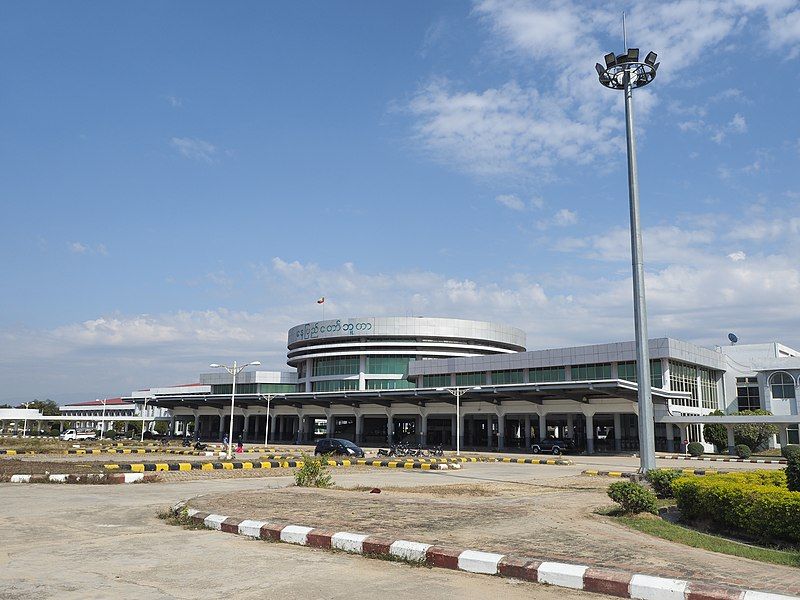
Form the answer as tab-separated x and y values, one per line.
738	124
737	256
510	201
195	149
174	101
565	217
81	248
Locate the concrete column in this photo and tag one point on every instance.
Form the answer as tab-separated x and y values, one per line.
196	423
221	425
527	432
171	426
423	428
389	428
731	440
453	431
570	426
329	426
589	434
489	419
501	431
783	435
463	429
670	437
618	432
359	427
246	426
684	429
542	426
273	427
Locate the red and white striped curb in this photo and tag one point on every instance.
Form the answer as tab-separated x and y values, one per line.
758	461
578	577
81	478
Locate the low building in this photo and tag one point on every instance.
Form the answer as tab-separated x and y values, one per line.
379	380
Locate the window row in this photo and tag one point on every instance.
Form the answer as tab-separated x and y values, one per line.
334	385
255	388
627	371
344	365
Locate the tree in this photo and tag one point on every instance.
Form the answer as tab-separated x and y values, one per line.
47	407
753	435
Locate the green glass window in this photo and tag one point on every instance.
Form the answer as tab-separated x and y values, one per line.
594	371
434	381
547	374
470	378
502	377
276	388
627	371
387	364
344	365
389	384
301	370
334	385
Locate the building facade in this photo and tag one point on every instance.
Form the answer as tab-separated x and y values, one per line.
379	380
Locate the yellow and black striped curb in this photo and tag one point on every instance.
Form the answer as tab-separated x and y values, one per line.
755	461
270	464
596	473
144	450
458	459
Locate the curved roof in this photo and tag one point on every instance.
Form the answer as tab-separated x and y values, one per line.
407	327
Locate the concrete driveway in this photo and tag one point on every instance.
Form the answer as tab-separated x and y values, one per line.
83	541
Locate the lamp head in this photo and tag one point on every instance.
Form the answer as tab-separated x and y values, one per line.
214	366
626	69
255	363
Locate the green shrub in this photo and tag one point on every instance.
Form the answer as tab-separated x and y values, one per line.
793	473
756	503
313	472
695	449
743	451
790	450
753	435
632	497
661	480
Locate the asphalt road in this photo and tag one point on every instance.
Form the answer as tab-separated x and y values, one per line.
84	541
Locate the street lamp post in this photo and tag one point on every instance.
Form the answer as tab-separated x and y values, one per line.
144	413
269	397
25	420
234	371
458	392
625	72
103	420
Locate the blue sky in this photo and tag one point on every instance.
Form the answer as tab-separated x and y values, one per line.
182	180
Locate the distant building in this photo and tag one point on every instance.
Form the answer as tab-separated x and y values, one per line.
379	380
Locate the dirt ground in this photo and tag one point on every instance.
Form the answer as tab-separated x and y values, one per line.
556	521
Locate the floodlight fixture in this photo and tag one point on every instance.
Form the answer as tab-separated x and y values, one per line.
627	68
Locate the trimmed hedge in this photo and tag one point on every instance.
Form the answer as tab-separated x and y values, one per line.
695	449
661	480
633	498
743	451
790	450
757	503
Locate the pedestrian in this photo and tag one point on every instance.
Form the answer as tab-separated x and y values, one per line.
225	440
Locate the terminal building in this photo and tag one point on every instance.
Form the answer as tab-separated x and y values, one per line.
381	380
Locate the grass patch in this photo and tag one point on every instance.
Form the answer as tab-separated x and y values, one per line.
676	533
179	518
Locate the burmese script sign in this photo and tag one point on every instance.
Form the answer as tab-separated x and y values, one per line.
311	331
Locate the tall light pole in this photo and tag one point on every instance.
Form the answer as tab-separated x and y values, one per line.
625	72
25	419
458	392
234	371
144	413
103	420
266	428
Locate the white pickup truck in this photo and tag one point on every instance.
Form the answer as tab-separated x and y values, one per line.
78	434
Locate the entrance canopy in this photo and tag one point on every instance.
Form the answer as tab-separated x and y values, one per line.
536	393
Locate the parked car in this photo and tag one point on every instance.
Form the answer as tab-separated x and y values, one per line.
338	447
78	434
553	446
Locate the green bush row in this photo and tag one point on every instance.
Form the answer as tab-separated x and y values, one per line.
757	503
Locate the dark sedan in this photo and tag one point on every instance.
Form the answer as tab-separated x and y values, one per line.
553	446
338	447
